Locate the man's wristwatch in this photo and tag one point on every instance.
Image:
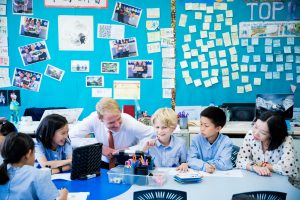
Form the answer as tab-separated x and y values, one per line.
60	169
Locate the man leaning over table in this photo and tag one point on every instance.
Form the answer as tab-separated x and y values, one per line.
126	130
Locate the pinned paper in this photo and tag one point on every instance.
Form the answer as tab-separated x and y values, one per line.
244	68
294	87
252	68
182	21
257	81
204	65
188	80
214	80
192	29
276	75
204	73
185	73
245	79
197	82
225	72
185	47
248	88
215	72
187	55
235	75
240	89
183	64
207	18
207	83
198	15
289	76
153	47
167	93
194	64
268	75
153	12
187	37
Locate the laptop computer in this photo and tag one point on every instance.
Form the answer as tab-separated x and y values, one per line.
71	114
86	161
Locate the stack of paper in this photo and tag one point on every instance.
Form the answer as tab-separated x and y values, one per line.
187	178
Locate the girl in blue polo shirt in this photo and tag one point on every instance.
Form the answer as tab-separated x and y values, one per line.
18	178
53	148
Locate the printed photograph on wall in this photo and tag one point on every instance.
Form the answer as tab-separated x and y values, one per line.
75	33
35	52
110	67
94	81
76	3
27	79
14	99
34	27
54	72
3	98
127	14
22	7
142	69
80	66
123	48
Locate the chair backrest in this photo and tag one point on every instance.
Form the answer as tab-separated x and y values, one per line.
260	195
37	113
234	153
159	194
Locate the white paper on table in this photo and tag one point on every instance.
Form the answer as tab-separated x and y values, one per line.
257	81
78	195
182	20
61	176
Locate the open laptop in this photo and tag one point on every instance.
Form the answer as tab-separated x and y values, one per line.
86	161
71	114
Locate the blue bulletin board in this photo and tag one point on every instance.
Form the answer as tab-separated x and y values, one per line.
71	91
270	57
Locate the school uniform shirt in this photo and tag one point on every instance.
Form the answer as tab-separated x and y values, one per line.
218	153
28	183
169	156
130	133
283	159
61	152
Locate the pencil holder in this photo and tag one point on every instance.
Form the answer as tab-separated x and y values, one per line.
141	172
183	123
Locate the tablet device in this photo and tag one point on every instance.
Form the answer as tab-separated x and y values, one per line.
86	161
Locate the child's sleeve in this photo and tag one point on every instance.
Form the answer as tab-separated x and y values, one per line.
39	151
194	160
222	160
287	165
183	153
245	154
68	150
44	187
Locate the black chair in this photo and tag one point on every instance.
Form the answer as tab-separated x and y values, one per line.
37	113
260	195
234	153
159	194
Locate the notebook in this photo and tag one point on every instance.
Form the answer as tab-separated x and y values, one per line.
71	114
86	161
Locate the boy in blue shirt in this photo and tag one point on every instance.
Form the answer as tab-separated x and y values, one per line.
167	149
211	150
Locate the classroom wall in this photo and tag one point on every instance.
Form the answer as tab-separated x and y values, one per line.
217	94
72	92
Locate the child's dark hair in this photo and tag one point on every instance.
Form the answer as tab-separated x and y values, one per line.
215	114
277	128
15	146
47	128
7	127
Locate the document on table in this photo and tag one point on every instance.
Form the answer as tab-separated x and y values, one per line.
78	195
62	176
229	173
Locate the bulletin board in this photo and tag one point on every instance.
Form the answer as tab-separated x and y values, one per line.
250	63
70	87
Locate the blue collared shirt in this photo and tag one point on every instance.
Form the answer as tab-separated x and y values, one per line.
61	152
169	156
218	153
27	183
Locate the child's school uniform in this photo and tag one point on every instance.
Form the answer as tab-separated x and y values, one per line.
218	153
61	152
169	156
28	182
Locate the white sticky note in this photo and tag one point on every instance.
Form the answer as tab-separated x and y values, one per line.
153	36
276	43
288	66
289	76
187	55
234	58
268	49
234	67
168	52
185	47
206	26
223	63
232	50
287	49
212	54
207	18
199	43
248	88
225	71
209	9
229	13
153	12
245	79
187	37
257	81
245	59
220	18
256	58
269	58
226	84
192	29
235	75
219	42
207	83
279	67
289	58
183	64
244	42
240	89
197	82
268	75
264	68
168	73
204	65
167	93
214	80
297	49
168	83
204	48
203	34
244	68
252	68
222	54
234	28
153	47
213	62
210	44
182	20
297	69
194	52
198	15
279	58
188	6
268	41
290	41
201	58
194	64
255	41
204	74
215	72
185	73
250	49
228	21
217	26
212	35
276	75
298	79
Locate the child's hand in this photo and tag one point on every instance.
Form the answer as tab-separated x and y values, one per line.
183	167
209	168
149	144
63	194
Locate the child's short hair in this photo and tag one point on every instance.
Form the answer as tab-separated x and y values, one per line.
215	114
47	128
7	127
166	116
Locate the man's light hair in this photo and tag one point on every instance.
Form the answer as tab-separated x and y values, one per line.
166	116
107	105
